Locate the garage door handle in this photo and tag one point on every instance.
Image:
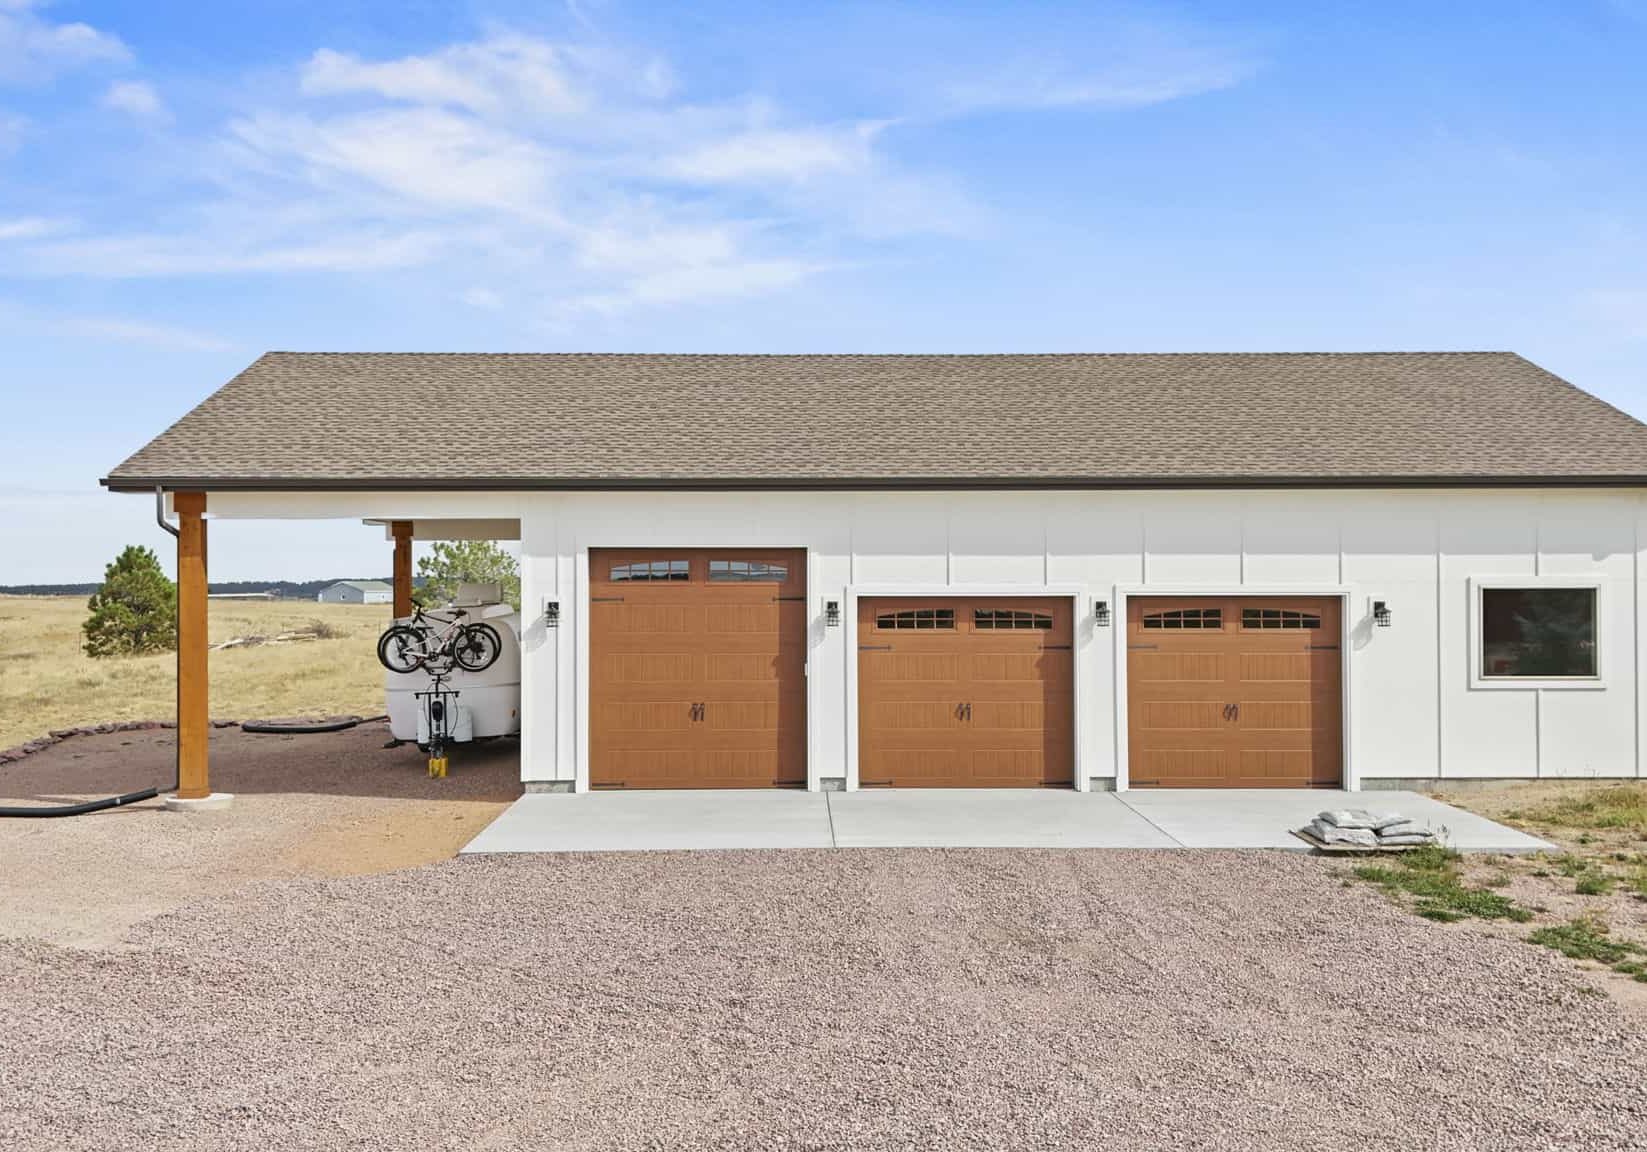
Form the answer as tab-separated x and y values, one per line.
963	711
1232	711
697	711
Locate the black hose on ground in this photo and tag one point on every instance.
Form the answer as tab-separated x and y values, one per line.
82	809
277	729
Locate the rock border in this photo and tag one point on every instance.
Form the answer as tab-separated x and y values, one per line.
58	735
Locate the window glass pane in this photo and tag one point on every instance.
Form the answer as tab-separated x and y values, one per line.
922	619
1003	619
651	570
748	571
1538	632
1262	618
1202	619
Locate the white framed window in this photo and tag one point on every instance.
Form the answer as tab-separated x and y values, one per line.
1537	632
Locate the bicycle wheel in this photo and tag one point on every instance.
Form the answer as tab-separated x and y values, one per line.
400	649
477	647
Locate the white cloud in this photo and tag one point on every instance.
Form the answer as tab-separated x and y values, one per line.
760	156
33	49
500	72
1133	64
697	282
576	170
117	329
136	99
428	157
160	255
32	227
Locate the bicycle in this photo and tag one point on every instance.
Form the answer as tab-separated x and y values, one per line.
435	643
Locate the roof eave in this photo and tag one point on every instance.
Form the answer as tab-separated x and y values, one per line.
148	484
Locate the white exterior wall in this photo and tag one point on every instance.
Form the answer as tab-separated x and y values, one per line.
347	594
1411	708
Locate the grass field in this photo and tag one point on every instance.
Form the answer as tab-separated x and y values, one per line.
47	682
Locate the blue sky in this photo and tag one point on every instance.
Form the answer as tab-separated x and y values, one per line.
183	186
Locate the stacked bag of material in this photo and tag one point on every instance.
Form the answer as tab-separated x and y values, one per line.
1358	828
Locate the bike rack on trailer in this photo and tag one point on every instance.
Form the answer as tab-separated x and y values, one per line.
439	709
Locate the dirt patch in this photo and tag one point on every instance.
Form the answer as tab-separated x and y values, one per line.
402	835
333	804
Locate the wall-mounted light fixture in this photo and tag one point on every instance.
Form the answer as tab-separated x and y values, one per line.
1381	614
551	613
1100	613
832	613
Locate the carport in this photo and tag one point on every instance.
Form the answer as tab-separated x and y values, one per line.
191	507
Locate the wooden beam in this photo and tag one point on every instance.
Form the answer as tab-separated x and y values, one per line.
402	530
193	720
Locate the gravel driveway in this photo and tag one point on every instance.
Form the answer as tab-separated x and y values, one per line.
813	1000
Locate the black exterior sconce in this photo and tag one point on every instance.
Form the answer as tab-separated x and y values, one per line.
551	613
832	613
1381	614
1100	613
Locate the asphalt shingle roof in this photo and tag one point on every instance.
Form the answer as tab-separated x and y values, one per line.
344	420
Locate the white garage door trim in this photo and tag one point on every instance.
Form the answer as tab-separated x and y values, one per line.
1082	640
1352	776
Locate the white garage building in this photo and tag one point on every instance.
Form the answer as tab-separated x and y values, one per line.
1017	571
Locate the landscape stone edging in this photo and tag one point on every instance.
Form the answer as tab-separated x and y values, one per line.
58	735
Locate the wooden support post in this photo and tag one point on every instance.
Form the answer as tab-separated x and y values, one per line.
402	530
193	720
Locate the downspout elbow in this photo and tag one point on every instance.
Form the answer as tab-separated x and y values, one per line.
160	510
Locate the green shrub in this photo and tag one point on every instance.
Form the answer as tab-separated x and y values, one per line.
134	611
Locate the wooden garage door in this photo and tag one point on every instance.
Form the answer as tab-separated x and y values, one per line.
1234	692
697	662
965	693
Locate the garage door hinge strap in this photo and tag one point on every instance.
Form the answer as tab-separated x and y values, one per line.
800	597
1321	647
874	647
606	599
1056	647
1142	647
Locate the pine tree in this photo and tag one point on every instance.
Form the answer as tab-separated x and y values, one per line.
454	562
135	609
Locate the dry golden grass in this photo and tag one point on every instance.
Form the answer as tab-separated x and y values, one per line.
47	681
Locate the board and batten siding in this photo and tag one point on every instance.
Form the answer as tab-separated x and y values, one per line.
1411	712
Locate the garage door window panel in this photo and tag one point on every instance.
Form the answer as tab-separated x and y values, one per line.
916	620
1008	620
747	572
1268	619
652	571
1186	620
